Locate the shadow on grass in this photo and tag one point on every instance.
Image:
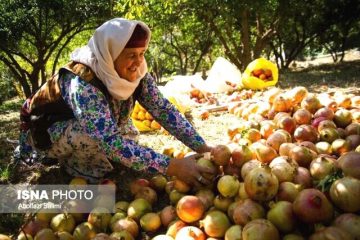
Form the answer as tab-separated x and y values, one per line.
316	78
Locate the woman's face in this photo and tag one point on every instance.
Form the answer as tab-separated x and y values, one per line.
128	62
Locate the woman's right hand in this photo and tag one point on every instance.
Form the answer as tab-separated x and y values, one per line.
188	171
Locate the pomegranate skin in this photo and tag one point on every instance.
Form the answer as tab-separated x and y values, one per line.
312	206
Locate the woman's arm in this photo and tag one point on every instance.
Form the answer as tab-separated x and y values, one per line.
168	116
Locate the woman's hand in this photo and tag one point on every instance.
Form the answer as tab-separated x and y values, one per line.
188	171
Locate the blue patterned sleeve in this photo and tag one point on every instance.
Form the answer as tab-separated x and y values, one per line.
92	110
167	115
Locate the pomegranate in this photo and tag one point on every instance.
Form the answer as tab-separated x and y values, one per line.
252	135
215	223
297	94
162	237
84	231
45	234
302	116
311	103
123	235
353	129
283	168
326	124
350	223
325	112
354	141
342	118
209	164
312	206
117	216
282	216
293	237
242	192
329	134
100	218
350	164
127	224
281	103
150	222
323	148
222	203
137	184
248	166
138	207
233	233
308	144
267	128
306	133
264	153
231	208
260	229
287	123
303	177
302	155
63	222
175	196
247	210
121	206
228	186
329	233
148	194
345	194
322	166
231	169
99	236
220	155
285	148
288	191
206	196
174	227
275	140
158	182
190	208
340	146
342	100
34	226
167	215
261	184
241	155
190	233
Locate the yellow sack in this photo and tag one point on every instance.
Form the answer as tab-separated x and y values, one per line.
252	77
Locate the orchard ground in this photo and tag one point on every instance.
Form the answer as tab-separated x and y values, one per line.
326	77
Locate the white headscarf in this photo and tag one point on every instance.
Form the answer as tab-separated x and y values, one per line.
103	49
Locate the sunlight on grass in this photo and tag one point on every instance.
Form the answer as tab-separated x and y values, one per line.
5	173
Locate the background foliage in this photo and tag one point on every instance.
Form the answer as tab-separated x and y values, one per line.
37	36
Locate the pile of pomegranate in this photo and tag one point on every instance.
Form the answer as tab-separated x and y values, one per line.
291	171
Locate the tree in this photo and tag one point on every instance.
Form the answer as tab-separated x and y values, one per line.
243	27
179	41
345	24
34	31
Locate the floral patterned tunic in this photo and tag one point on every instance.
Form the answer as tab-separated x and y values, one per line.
106	122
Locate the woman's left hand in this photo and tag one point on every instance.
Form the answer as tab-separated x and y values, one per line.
188	171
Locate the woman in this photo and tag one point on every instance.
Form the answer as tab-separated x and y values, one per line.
82	115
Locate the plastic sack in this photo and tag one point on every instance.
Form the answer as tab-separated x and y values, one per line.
253	82
220	75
